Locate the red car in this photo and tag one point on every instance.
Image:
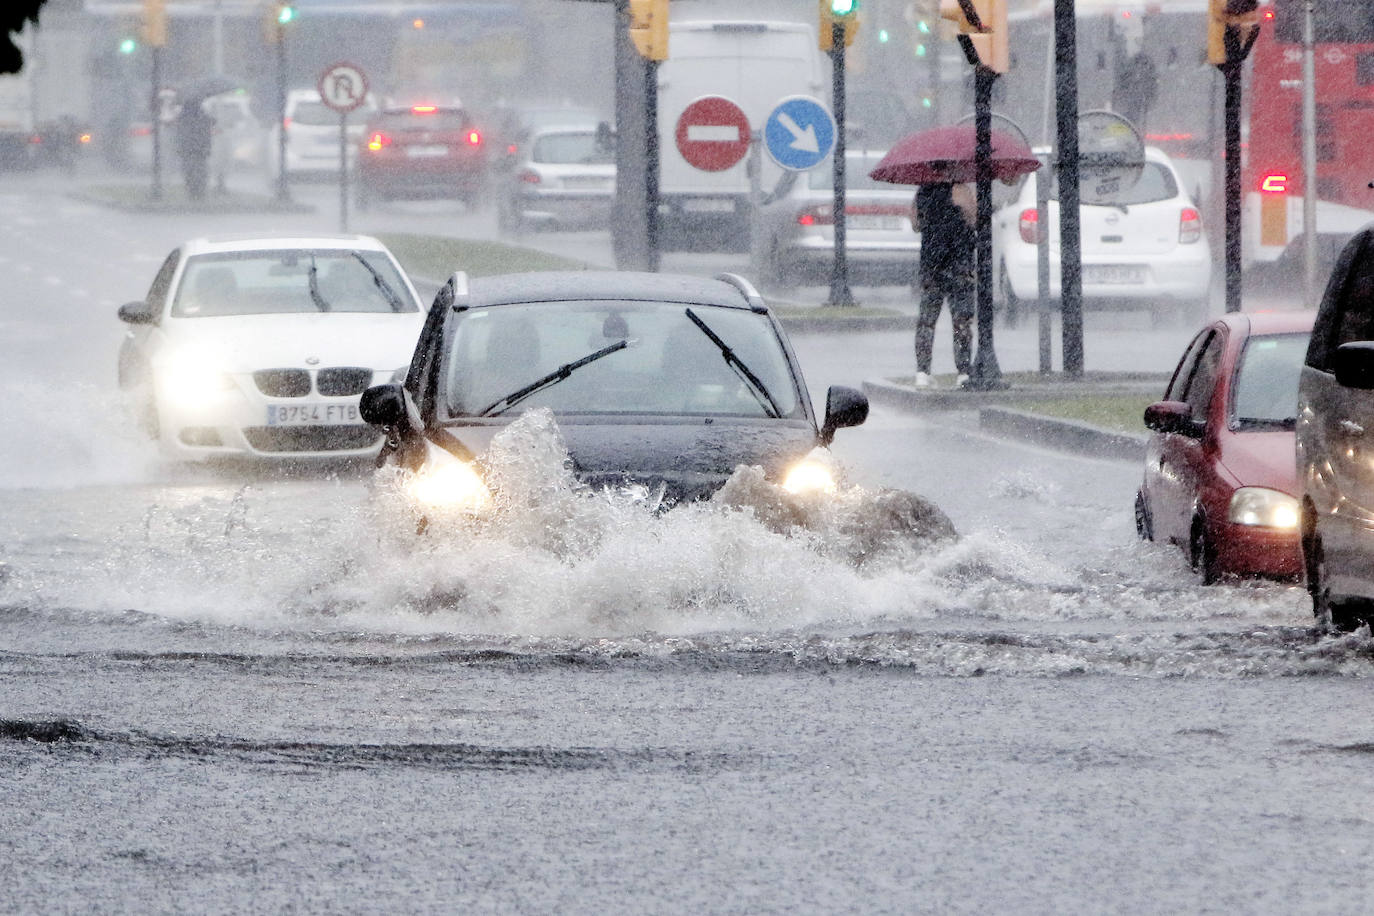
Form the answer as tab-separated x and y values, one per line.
1220	476
421	151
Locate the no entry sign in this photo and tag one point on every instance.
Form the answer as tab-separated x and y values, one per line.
713	133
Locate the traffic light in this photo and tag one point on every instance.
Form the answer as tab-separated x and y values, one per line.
985	24
275	18
128	45
841	12
1238	17
155	23
649	28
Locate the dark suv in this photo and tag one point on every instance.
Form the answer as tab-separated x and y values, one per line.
1335	442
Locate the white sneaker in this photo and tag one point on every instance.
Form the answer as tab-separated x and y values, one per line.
960	380
922	379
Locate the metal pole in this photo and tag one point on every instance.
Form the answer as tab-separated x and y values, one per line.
1309	156
217	34
754	169
1042	265
651	161
283	192
1231	115
156	105
1070	228
986	373
839	270
343	171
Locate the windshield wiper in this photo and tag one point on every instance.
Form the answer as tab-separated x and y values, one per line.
394	300
751	381
313	274
549	380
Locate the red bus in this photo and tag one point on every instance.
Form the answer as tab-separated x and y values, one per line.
1273	178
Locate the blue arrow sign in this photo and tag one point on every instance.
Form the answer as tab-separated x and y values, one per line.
799	133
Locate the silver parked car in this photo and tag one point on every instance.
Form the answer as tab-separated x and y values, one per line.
565	179
798	223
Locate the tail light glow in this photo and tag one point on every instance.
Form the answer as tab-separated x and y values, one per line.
1189	226
529	177
377	141
1275	183
423	109
1029	226
474	138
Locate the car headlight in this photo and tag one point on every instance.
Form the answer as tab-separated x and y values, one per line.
190	380
809	476
1264	508
449	485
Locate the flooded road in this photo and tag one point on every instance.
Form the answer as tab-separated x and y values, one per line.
225	690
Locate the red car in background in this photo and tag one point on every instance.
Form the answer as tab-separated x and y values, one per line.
1220	475
421	151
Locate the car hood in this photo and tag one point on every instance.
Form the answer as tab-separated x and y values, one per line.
243	343
1261	459
691	459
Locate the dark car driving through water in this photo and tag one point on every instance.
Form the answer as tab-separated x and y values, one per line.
665	382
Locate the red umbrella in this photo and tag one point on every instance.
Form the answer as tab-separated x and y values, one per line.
945	154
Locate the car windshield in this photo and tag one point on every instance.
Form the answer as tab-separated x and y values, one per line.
267	282
572	149
1265	391
1156	183
668	367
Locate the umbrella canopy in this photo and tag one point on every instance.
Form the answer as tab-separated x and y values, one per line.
207	86
945	154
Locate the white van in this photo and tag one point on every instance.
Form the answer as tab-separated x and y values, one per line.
755	64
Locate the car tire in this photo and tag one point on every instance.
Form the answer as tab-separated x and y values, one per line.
1202	556
1340	616
1144	527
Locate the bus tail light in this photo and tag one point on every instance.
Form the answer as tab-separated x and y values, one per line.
1029	225
1189	226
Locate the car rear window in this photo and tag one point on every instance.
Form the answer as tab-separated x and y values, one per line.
274	281
822	178
437	119
572	149
670	366
1265	390
1156	183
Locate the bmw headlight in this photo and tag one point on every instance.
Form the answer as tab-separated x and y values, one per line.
809	476
448	484
190	379
1262	507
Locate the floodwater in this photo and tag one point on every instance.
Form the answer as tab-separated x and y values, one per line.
227	690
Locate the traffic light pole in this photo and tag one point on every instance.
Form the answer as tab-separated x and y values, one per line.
1231	71
651	163
986	375
840	293
156	105
283	192
1070	222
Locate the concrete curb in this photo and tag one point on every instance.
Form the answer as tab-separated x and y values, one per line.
1066	435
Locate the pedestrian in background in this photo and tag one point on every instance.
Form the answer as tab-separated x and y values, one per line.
195	134
943	214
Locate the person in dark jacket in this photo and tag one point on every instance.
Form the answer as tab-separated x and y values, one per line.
195	135
943	216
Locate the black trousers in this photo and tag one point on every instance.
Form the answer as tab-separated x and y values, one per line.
936	287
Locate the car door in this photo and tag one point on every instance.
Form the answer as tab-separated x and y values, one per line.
1182	460
135	351
1336	428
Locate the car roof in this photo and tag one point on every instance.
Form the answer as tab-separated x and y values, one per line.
1288	321
561	286
230	243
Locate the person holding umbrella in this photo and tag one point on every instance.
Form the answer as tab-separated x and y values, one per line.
943	213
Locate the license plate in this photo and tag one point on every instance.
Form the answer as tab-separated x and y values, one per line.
868	221
313	414
708	206
1113	273
423	152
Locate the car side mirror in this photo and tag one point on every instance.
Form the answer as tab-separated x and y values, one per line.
1354	365
1173	417
384	405
137	313
843	407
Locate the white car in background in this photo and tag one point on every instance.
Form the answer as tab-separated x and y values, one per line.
565	178
1144	248
312	135
262	346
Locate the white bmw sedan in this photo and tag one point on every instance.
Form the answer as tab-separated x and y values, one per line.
262	346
